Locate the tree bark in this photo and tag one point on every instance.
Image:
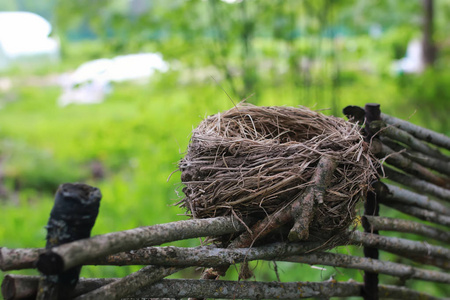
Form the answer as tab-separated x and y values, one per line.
66	256
204	256
406	197
420	213
433	163
371	265
128	285
404	137
390	224
417	184
429	49
421	133
16	259
398	160
398	245
303	209
182	288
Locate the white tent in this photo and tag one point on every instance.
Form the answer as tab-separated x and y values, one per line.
25	34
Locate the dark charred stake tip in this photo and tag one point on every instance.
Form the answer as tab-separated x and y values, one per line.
72	217
81	192
354	113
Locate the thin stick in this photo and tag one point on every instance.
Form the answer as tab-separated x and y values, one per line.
419	132
407	139
26	287
396	159
303	209
398	245
436	164
407	197
204	256
20	287
417	184
130	284
16	259
371	265
420	213
390	224
213	257
76	253
183	288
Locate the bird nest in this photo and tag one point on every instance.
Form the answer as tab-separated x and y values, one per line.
255	161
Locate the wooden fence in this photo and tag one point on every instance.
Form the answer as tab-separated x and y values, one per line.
416	159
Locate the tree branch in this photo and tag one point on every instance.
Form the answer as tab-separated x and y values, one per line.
436	164
368	264
420	213
303	209
204	256
390	224
398	245
213	257
406	197
407	139
16	259
419	132
66	256
182	288
396	159
128	285
417	184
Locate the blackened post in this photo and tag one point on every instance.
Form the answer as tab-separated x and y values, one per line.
371	208
72	217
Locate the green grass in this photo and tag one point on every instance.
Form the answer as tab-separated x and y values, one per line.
138	134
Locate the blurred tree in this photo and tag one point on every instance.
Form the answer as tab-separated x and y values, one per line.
253	44
429	49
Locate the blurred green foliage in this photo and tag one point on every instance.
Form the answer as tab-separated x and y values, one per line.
312	53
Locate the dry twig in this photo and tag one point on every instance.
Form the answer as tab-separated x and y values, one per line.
419	132
76	253
183	288
390	224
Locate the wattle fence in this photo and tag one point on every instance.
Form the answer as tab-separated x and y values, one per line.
414	180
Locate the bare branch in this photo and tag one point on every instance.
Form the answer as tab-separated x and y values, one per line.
368	264
417	184
302	209
66	256
26	287
16	259
130	284
390	224
19	287
407	139
420	213
178	288
182	288
407	197
204	256
398	245
439	262
436	164
419	132
396	159
213	257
